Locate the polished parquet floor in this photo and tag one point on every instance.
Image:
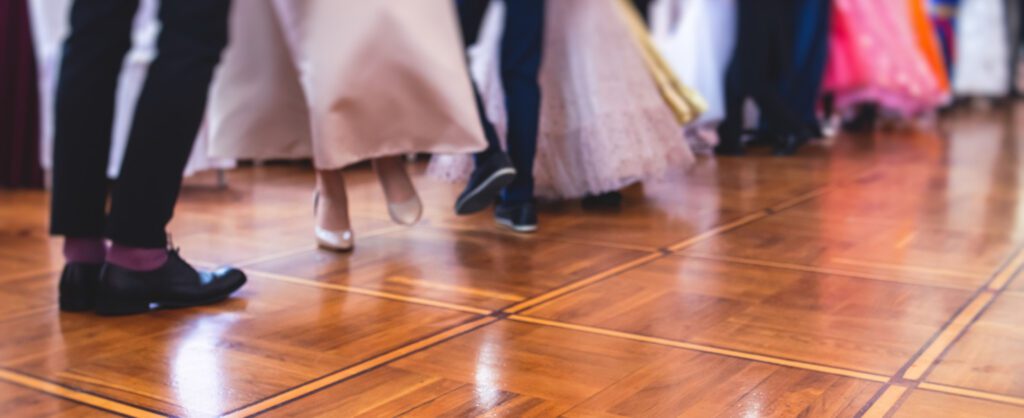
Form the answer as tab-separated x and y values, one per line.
878	276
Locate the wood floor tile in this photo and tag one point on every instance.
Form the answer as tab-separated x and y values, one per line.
389	391
660	213
943	216
476	268
270	337
970	188
16	401
24	255
1016	284
27	293
514	369
800	286
933	199
852	323
911	254
990	356
923	403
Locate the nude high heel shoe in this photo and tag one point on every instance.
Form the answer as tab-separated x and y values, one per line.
406	213
340	241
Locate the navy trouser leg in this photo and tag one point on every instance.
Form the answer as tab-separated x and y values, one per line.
521	53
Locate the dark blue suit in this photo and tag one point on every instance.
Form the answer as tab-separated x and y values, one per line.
760	67
521	52
801	87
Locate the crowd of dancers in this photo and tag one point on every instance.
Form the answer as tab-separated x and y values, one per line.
518	99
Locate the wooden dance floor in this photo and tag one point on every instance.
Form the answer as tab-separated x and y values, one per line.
877	277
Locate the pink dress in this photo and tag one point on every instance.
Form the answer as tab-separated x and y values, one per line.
874	57
604	125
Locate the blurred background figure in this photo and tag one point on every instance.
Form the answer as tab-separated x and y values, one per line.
697	38
761	65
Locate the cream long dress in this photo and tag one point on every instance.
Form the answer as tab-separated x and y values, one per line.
343	81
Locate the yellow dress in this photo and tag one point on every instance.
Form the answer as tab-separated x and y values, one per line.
684	102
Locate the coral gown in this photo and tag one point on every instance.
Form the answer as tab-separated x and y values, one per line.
875	56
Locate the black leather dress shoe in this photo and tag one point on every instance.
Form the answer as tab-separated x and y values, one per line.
610	200
78	286
730	147
789	145
176	284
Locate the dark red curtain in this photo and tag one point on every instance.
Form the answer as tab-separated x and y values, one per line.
19	99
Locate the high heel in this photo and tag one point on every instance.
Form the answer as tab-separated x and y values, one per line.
340	241
408	212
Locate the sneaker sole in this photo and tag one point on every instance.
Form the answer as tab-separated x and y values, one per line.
483	196
525	229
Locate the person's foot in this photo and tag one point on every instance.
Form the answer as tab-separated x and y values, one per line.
762	139
486	182
730	147
176	284
521	217
865	120
404	205
788	145
333	229
77	287
610	200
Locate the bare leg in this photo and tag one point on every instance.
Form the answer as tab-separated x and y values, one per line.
403	203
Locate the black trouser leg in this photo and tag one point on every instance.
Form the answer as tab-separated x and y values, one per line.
167	119
811	54
763	57
100	37
471	14
490	133
521	53
731	129
1015	26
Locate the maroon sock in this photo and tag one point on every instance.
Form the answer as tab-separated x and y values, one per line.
136	258
85	250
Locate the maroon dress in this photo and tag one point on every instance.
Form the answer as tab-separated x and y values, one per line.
19	100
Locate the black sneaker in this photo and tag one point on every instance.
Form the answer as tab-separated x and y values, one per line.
730	147
789	145
176	284
520	217
610	200
78	286
488	179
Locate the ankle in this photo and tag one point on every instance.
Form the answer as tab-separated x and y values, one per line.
332	215
92	250
394	179
136	258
